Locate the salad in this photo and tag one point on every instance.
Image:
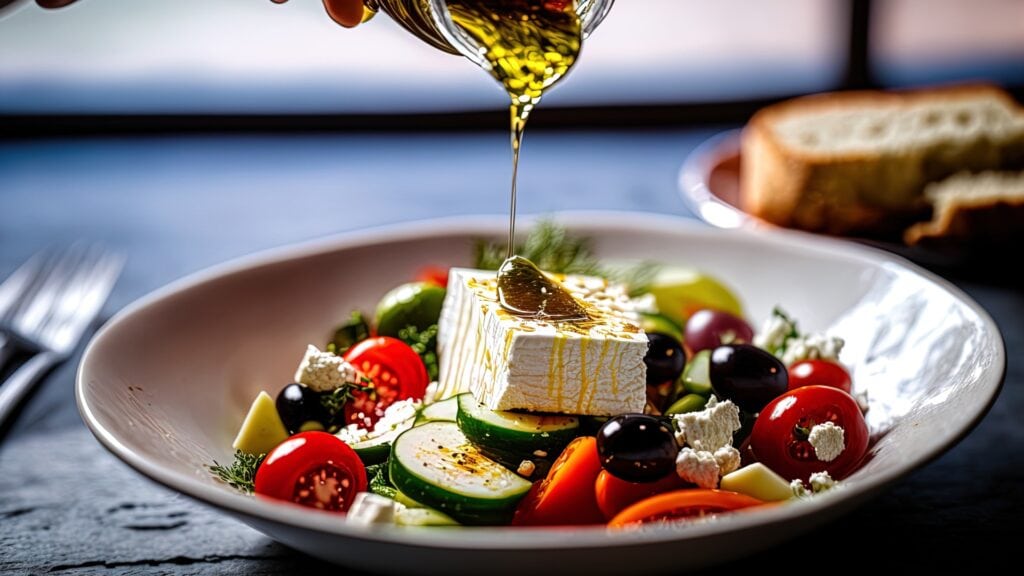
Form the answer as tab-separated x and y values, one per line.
658	403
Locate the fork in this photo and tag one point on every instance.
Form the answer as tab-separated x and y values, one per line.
52	315
19	282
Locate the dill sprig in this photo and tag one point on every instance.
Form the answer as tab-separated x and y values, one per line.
553	249
423	343
241	473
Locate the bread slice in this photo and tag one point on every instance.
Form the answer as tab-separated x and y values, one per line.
859	162
986	208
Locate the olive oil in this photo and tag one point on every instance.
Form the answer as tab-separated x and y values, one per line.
524	290
530	45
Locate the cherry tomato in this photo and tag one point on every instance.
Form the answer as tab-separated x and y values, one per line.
615	494
397	373
779	439
566	496
682	505
314	469
433	274
819	373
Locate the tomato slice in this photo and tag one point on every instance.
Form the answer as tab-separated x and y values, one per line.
682	505
397	373
615	495
313	469
566	496
819	373
433	274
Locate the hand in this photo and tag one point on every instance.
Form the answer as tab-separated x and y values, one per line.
348	13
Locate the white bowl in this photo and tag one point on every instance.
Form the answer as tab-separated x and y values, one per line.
165	384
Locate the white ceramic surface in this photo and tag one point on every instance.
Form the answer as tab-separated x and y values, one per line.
165	384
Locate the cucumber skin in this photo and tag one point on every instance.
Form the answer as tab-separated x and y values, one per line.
511	443
377	454
464	510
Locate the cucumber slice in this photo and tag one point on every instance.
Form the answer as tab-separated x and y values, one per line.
437	465
515	433
375	450
440	411
423	517
656	322
696	376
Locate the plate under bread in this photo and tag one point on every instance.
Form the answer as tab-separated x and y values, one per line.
165	384
709	183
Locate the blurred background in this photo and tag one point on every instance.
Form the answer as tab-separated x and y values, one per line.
255	57
192	131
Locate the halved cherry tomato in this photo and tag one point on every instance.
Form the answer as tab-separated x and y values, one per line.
819	373
682	505
314	469
566	496
433	274
397	373
615	495
779	438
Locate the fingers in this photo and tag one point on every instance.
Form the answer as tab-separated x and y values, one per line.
54	3
348	13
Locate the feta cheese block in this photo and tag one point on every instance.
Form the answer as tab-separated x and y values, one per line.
593	367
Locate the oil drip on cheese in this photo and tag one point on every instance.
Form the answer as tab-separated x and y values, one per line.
530	45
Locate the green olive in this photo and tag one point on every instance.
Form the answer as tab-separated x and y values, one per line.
414	304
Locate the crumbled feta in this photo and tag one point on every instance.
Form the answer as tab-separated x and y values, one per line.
775	331
819	481
369	508
323	371
728	459
711	428
698	467
798	488
828	441
397	417
812	347
526	468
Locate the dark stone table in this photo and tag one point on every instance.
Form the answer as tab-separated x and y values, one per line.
178	205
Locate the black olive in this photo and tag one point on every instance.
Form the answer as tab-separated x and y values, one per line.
637	448
665	358
297	404
747	375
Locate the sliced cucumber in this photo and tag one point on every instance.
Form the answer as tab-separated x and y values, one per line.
437	465
696	377
423	517
440	411
656	322
515	433
688	403
375	450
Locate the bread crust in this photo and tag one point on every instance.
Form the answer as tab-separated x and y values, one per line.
856	193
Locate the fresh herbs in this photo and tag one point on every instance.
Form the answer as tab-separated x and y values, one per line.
355	330
241	473
380	481
549	246
553	249
333	402
423	343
